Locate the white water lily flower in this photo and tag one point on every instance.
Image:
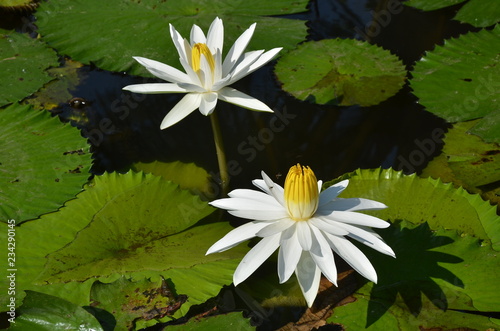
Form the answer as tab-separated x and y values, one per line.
206	77
306	225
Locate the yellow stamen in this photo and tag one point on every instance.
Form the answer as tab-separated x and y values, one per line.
196	53
301	193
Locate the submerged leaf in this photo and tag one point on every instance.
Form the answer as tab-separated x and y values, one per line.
120	30
215	323
344	72
43	163
23	61
458	81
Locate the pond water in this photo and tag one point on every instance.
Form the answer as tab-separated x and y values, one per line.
124	127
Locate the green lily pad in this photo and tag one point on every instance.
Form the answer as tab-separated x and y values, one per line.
109	33
23	61
479	13
458	81
235	321
186	175
43	163
341	71
43	312
140	226
134	303
468	161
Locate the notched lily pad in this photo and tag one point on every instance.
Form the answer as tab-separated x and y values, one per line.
23	61
458	81
341	71
43	163
120	30
479	13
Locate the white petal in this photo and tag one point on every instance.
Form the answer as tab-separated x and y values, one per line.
244	64
253	195
193	77
304	235
241	99
367	237
245	204
155	88
323	256
237	50
328	226
274	189
289	254
276	227
208	102
255	257
237	236
260	215
351	204
205	73
179	43
163	71
353	256
192	87
218	82
356	219
332	192
197	36
182	109
308	275
215	36
262	60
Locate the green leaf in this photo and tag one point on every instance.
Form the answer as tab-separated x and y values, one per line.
122	29
458	81
341	71
186	175
135	302
468	161
23	61
43	163
235	321
479	13
454	273
42	312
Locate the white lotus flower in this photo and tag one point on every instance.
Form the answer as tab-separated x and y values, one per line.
306	225
207	77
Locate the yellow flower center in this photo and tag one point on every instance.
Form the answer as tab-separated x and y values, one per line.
198	50
301	193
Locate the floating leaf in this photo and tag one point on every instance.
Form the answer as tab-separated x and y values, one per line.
43	312
468	161
43	163
479	13
235	321
458	81
23	61
135	302
341	71
186	175
120	30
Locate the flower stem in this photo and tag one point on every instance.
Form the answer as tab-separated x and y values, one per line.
221	156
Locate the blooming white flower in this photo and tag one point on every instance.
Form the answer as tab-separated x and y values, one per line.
306	225
206	76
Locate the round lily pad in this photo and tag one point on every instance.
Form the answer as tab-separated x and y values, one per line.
23	61
108	33
43	163
341	71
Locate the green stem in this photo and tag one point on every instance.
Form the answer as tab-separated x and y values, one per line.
221	156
